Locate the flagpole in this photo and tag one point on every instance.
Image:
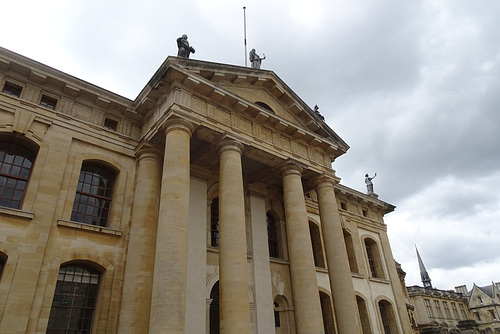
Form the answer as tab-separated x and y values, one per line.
245	32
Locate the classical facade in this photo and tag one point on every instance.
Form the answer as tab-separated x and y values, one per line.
206	205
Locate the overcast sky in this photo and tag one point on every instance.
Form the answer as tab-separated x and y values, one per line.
412	86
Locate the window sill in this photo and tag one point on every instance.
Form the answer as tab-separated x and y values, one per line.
379	280
4	211
87	227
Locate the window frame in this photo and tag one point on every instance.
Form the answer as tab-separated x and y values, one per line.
12	89
16	183
48	102
79	290
84	200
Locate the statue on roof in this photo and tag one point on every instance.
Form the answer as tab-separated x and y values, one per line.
184	48
369	183
316	110
255	59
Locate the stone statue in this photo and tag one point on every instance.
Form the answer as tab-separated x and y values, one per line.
369	183
184	48
255	59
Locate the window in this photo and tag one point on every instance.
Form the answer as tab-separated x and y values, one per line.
428	308
373	257
74	300
446	309
365	213
478	317
48	102
277	322
93	196
438	308
317	247
272	236
492	314
479	299
455	311
214	223
462	311
3	259
343	205
15	168
110	124
12	89
351	255
385	319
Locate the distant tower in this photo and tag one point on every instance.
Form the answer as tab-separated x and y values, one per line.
426	280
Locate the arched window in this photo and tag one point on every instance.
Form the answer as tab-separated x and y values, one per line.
16	161
317	247
214	310
327	313
265	106
214	222
373	256
74	300
281	315
351	255
387	318
363	315
3	259
272	236
93	195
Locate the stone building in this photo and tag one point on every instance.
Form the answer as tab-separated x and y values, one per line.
206	205
484	306
438	309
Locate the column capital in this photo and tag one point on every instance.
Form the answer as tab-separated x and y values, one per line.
178	124
148	150
324	180
229	145
290	168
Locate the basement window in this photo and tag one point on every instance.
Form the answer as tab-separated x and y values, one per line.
12	89
48	102
110	124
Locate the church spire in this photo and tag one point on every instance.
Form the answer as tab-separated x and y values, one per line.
426	280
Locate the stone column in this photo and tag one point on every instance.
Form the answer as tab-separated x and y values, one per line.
168	306
233	282
336	256
308	316
138	278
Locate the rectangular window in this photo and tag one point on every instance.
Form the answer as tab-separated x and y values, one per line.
48	102
446	310
478	317
438	308
12	89
428	308
462	311
455	311
110	124
492	314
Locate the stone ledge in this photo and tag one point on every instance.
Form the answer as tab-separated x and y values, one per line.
379	280
92	228
4	211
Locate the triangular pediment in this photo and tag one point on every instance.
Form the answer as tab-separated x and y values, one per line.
258	95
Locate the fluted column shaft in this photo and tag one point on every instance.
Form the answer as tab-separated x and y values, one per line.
168	307
337	260
302	269
234	302
138	277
